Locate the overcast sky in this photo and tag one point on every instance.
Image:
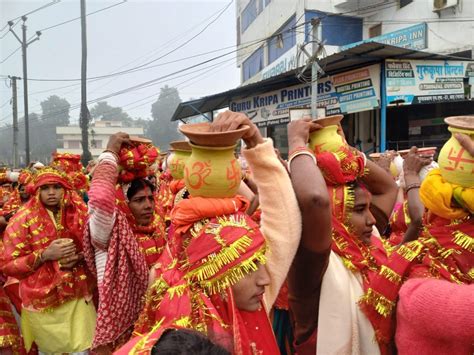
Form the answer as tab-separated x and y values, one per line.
122	37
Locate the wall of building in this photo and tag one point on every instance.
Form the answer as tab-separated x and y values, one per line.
69	137
344	22
443	36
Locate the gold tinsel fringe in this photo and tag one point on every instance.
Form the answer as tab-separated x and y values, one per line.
411	250
184	322
464	241
349	201
381	304
348	264
340	242
390	275
234	274
142	343
177	290
471	273
215	262
156	292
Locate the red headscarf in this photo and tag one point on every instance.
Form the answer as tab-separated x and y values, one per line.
193	286
356	255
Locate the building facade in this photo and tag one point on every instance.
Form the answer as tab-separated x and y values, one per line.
436	26
69	137
269	33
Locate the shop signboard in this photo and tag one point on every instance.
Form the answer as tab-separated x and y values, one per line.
413	37
425	81
354	91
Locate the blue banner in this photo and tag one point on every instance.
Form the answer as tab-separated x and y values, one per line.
413	37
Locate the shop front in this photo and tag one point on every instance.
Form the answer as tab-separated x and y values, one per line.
391	98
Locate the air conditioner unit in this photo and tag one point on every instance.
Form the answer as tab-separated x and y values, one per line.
439	5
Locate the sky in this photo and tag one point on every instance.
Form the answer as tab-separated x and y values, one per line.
123	37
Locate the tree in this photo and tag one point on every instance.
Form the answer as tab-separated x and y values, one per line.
161	129
102	111
55	110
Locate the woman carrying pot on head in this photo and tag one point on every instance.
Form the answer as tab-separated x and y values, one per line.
124	236
226	272
443	251
339	252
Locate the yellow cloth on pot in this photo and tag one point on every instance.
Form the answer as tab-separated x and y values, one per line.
437	195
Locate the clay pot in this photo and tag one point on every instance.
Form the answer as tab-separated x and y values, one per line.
201	135
456	164
327	139
212	172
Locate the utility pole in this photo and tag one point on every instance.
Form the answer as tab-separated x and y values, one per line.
24	45
84	118
312	61
15	120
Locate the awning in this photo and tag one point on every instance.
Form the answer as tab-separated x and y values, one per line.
362	55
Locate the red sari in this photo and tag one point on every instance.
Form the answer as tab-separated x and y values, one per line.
44	285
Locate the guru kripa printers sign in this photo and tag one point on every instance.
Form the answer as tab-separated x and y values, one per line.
354	91
425	82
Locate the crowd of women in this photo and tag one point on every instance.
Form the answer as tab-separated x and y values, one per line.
204	250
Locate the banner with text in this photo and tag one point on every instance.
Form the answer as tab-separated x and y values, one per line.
353	91
425	81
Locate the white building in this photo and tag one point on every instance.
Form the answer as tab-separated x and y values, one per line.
69	137
444	26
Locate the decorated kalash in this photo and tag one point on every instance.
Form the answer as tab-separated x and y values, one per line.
213	275
125	235
172	187
43	250
444	250
72	166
